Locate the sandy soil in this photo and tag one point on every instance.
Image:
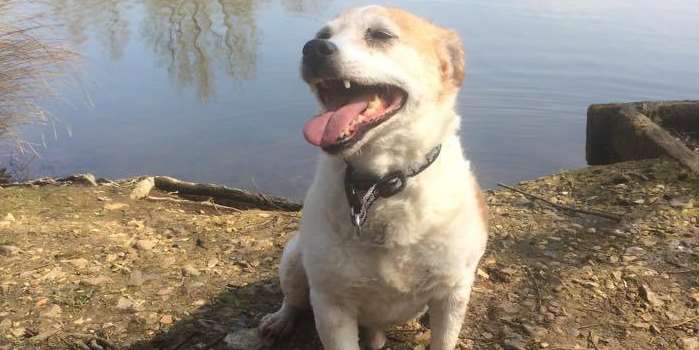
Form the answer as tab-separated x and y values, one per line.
86	267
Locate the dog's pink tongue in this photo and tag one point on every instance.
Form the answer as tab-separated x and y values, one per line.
327	128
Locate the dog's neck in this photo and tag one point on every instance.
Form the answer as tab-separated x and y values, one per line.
400	151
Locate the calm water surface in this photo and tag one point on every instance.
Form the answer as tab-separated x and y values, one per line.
209	91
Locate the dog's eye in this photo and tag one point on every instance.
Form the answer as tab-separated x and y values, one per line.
379	34
324	33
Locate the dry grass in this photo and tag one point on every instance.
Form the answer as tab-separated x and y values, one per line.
28	67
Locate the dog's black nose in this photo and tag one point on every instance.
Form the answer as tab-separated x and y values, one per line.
319	48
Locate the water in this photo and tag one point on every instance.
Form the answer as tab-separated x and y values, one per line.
209	91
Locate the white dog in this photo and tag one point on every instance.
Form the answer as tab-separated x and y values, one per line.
394	222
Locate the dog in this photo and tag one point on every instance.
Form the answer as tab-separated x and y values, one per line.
394	223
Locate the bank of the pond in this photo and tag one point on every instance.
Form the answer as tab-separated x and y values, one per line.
87	267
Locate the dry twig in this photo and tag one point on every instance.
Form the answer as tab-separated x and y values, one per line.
605	215
184	201
683	322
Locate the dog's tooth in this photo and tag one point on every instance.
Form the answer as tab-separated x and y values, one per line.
347	84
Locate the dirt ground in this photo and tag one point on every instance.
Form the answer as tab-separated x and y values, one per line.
85	267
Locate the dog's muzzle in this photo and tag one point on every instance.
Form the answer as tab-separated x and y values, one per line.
319	57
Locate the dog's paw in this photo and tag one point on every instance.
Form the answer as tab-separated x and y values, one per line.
373	339
277	325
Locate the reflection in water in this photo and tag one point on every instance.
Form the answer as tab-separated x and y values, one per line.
192	38
186	36
106	18
305	6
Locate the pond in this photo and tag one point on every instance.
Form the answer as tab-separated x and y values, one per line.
209	90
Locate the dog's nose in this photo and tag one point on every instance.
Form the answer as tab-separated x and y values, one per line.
319	48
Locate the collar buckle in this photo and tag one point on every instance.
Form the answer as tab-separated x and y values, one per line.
361	198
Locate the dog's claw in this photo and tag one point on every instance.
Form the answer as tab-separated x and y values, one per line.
277	325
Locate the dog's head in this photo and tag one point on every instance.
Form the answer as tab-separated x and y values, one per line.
378	71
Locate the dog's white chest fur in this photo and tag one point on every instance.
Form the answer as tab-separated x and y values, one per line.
416	245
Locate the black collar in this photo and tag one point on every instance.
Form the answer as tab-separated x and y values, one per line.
362	191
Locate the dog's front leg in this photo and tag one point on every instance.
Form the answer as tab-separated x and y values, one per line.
446	316
336	325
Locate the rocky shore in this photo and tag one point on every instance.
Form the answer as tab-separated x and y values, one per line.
90	266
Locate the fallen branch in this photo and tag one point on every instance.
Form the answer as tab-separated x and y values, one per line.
185	201
609	216
169	184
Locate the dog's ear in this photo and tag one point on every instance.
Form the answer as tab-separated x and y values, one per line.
452	58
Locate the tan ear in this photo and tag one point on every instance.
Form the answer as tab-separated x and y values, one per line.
452	59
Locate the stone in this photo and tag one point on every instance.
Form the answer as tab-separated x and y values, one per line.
115	206
80	263
682	202
18	332
139	224
9	218
136	278
143	188
166	291
695	296
244	339
651	297
145	244
7	250
5	324
189	270
514	341
166	319
55	274
689	343
53	311
124	304
212	263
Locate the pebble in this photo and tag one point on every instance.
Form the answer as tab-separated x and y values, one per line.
7	250
651	297
146	244
79	263
212	262
690	343
577	226
5	324
189	270
166	319
54	311
136	278
9	218
115	206
515	341
682	202
165	291
124	304
244	339
695	297
18	332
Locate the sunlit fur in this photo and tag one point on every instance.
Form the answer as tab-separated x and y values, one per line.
419	248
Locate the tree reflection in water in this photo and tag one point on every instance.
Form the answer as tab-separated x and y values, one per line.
193	39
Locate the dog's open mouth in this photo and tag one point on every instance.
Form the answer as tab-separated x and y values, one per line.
351	109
